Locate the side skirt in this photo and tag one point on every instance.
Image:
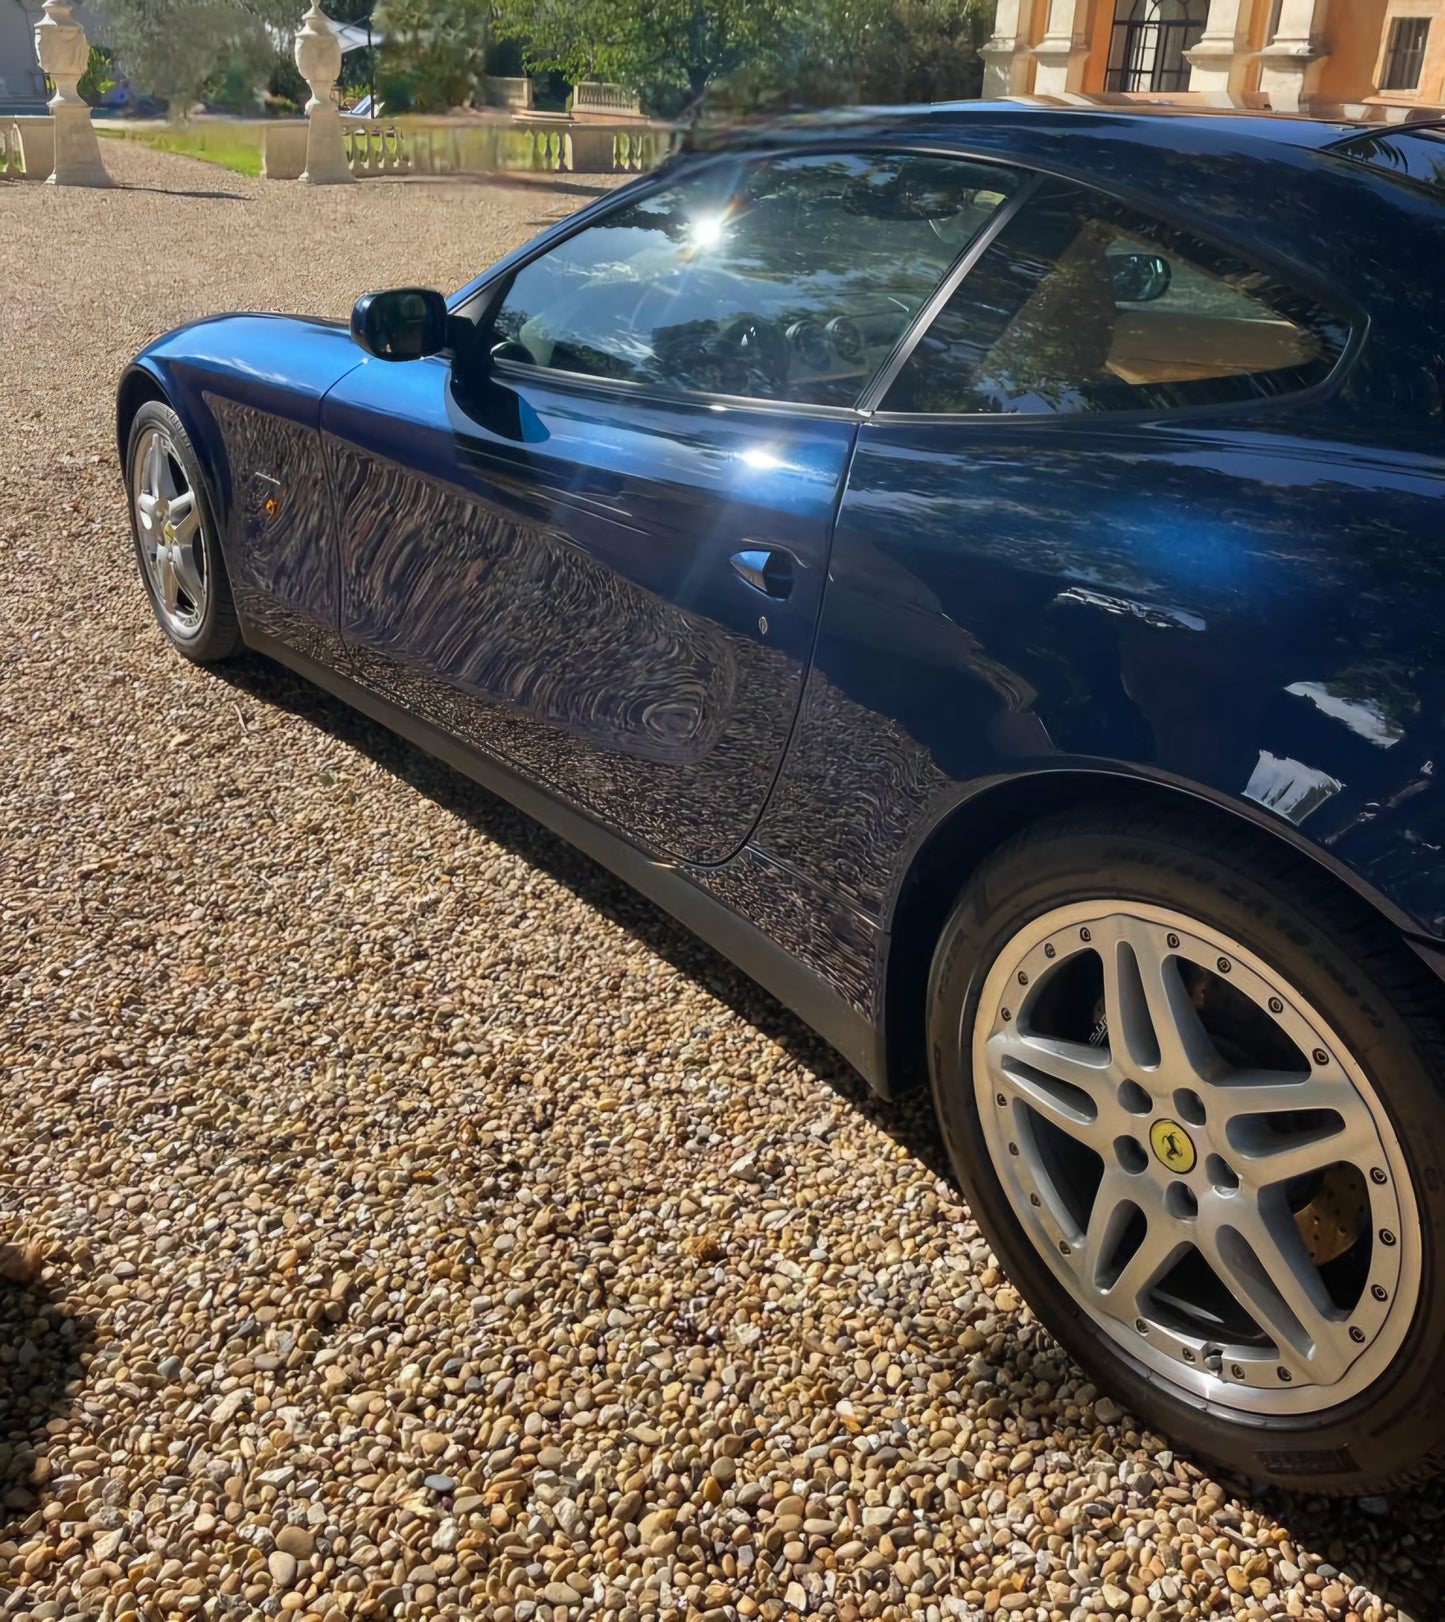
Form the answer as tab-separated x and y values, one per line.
756	954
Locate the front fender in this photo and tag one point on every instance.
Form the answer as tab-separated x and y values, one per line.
248	389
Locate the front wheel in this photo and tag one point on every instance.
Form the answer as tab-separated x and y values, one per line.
1194	1097
176	543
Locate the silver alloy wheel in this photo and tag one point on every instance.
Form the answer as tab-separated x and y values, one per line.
168	523
1196	1155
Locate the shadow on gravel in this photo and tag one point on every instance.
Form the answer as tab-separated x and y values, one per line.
175	191
908	1120
1395	1547
42	1348
547	183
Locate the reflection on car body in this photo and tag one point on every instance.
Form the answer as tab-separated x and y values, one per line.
978	567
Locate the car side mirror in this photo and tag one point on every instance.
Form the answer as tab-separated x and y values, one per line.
402	323
1139	278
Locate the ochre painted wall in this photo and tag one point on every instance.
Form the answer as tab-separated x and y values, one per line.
1354	32
1101	29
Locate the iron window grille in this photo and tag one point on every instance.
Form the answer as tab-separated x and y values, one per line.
1405	53
1149	42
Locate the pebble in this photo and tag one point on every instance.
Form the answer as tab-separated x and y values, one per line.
283	1567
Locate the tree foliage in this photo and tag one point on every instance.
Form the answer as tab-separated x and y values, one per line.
874	52
670	50
764	53
749	54
174	47
435	53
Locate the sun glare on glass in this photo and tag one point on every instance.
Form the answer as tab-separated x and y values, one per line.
708	230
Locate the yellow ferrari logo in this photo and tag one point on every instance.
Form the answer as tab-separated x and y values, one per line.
1173	1145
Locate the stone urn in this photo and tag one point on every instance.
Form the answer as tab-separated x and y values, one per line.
63	52
318	59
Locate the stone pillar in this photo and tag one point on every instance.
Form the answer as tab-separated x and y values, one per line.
1219	63
1290	63
63	51
1006	56
318	57
1061	53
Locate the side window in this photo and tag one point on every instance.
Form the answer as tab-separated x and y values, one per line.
776	279
1081	305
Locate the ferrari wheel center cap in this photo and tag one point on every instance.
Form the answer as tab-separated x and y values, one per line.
1172	1145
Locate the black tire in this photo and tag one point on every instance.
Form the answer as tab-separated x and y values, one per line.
217	636
1384	1005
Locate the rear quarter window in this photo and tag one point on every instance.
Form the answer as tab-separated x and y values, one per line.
1081	305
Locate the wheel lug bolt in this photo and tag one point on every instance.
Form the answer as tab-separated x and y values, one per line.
1284	1374
1141	1326
1023	978
1013	1148
1173	941
1035	1200
1377	1175
1007	1016
1379	1292
1085	935
1064	1250
1275	1006
1001	1100
1320	1056
1049	952
1188	1355
1224	965
1386	1237
1237	1370
1357	1335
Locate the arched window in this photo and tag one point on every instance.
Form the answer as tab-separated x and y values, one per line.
1149	41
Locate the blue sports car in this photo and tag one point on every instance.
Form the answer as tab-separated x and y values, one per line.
981	567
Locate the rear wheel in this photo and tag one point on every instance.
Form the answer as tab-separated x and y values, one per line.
175	538
1193	1096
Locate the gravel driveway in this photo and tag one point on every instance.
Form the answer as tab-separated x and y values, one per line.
430	1227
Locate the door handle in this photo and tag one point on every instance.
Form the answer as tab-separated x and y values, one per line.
767	569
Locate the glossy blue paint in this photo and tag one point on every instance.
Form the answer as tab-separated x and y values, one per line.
249	390
1242	604
544	571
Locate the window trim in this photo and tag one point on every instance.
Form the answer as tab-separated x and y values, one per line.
479	302
883	380
1357	322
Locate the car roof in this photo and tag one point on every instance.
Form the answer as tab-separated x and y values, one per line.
1201	128
1278	187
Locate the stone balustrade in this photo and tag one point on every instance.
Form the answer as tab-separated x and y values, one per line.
375	149
509	92
543	146
613	100
27	147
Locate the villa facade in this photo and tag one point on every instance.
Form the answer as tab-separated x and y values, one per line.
1382	60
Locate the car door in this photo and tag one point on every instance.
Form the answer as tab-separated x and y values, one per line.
593	542
1087	524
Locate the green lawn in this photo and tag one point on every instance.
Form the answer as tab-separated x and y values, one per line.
232	144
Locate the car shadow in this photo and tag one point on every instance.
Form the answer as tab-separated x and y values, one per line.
44	1348
908	1120
1396	1548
